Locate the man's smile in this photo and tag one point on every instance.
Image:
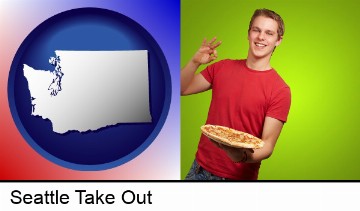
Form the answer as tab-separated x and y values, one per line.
260	44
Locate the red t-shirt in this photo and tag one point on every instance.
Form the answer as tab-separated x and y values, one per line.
241	99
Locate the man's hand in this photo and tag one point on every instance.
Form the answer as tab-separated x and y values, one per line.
235	154
207	52
192	83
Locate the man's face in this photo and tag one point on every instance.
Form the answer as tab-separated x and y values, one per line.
263	37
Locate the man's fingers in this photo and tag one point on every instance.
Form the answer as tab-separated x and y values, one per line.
211	44
216	45
205	49
212	58
215	53
208	48
204	42
212	41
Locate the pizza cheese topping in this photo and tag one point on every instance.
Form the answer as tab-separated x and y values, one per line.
231	137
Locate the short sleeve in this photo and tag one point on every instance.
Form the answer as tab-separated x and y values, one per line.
210	71
280	104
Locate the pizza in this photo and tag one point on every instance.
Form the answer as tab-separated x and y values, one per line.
231	137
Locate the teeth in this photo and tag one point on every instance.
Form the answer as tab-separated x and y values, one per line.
260	45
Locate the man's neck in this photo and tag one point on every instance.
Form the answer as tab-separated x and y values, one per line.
259	64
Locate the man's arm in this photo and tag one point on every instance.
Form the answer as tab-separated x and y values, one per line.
192	83
271	131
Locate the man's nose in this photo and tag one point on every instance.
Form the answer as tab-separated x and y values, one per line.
261	36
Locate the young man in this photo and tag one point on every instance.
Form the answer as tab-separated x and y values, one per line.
247	95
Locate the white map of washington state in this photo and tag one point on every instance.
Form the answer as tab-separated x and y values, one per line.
89	90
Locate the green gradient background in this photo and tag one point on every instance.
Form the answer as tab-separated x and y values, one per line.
318	58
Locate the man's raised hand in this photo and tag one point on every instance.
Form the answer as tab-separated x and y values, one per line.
207	52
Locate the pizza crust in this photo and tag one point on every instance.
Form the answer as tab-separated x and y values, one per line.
231	137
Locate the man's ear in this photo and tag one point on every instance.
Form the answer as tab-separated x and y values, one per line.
279	41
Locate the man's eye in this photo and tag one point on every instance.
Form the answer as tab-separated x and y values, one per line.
270	33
